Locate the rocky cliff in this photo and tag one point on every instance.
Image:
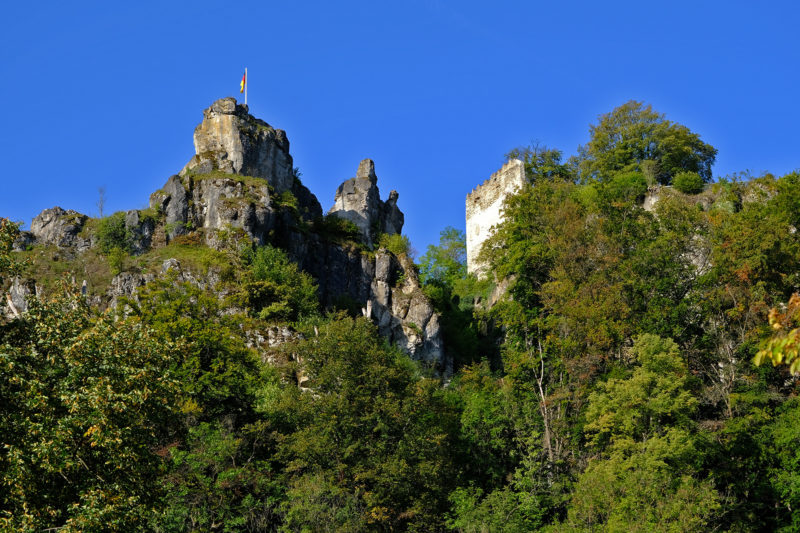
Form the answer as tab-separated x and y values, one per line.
241	182
232	141
358	200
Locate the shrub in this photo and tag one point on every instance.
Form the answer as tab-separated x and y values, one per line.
688	182
397	244
336	229
277	289
626	187
112	233
116	259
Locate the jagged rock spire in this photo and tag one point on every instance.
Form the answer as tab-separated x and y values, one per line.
231	140
358	200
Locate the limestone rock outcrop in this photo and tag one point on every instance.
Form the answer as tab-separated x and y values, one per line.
17	296
242	178
358	200
403	313
140	231
232	141
60	228
386	285
172	200
217	202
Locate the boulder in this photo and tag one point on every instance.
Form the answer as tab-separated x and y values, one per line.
59	227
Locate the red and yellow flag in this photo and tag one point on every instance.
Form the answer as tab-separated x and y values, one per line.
244	81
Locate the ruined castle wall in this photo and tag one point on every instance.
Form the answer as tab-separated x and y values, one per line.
484	206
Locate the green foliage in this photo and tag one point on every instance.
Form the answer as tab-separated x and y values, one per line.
116	259
112	234
541	163
688	182
642	406
370	445
336	229
215	368
275	288
784	435
443	273
447	262
289	200
628	187
221	481
9	267
86	402
395	243
633	137
645	476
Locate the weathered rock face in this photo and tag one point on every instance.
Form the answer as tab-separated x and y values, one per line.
232	141
173	201
392	217
59	227
238	179
20	291
141	231
385	285
125	285
403	313
217	202
23	241
358	200
221	202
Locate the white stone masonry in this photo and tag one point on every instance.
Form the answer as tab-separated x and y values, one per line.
484	208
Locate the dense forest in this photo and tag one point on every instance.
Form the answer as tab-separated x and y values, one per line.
626	367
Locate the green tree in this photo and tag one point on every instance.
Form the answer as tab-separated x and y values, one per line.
370	448
784	434
275	288
688	182
633	134
446	263
222	479
541	163
86	405
214	366
645	474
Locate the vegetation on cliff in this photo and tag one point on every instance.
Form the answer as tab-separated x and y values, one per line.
604	376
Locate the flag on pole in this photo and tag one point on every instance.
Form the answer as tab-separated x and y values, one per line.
244	82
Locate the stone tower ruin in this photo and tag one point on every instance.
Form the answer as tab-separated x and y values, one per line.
484	208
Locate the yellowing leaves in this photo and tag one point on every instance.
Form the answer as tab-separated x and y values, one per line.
783	348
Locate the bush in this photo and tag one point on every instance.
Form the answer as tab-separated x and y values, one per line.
626	187
116	259
336	229
688	182
277	289
112	233
397	244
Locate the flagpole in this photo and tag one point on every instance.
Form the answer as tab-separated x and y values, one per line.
246	81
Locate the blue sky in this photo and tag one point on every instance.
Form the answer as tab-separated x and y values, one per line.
108	94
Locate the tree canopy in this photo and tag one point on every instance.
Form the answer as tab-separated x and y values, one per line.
634	137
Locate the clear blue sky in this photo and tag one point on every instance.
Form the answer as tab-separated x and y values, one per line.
108	93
